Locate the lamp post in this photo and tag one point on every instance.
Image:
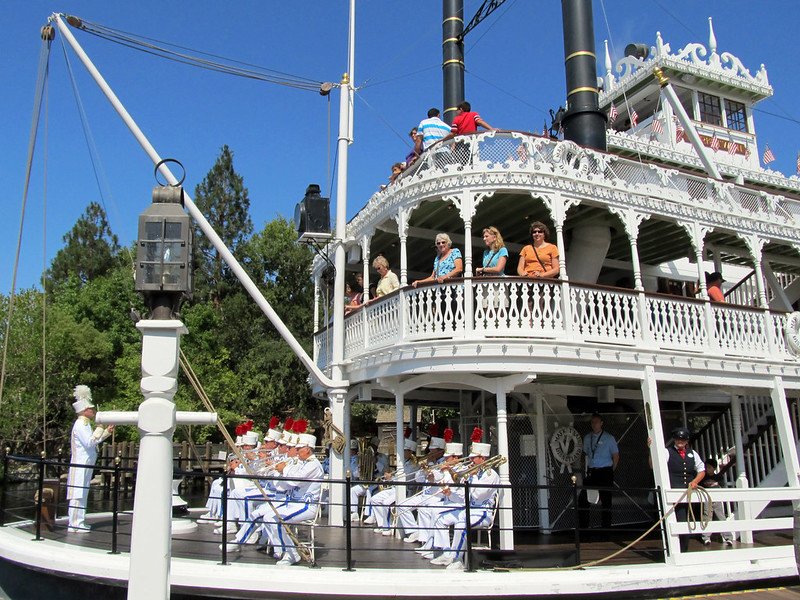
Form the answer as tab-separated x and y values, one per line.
163	276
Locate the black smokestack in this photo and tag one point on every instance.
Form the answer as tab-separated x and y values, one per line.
583	123
452	57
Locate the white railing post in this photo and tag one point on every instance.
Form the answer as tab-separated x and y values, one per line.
743	511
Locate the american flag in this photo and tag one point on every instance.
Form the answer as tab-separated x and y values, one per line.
545	130
733	147
634	118
613	114
680	134
798	163
747	152
768	156
714	142
657	126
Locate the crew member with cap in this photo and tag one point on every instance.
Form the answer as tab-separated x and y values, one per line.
601	457
484	484
384	499
686	470
714	283
83	442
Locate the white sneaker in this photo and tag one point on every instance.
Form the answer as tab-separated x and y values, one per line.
77	530
253	537
411	538
354	518
387	532
378	530
456	565
288	561
428	555
370	520
232	528
206	518
232	547
423	550
444	560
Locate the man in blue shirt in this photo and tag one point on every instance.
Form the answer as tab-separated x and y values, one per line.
601	457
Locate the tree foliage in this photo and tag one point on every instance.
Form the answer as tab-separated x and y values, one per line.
90	249
224	200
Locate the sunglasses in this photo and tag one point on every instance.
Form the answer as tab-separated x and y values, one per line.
441	243
537	231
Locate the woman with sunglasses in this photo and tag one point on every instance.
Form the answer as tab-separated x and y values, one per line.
447	264
539	260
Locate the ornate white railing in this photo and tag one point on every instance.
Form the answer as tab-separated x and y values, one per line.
512	307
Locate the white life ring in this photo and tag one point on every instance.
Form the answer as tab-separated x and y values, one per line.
792	332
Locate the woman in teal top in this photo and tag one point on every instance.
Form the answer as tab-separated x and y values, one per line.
448	262
495	255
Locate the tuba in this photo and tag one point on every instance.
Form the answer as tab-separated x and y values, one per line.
366	459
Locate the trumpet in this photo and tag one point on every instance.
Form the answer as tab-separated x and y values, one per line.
489	463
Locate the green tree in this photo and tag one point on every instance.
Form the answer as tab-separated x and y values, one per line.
223	199
90	250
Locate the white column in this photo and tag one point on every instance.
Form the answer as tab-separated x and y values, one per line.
762	295
399	407
541	462
658	453
336	399
742	508
506	507
783	423
316	303
365	263
151	539
403	261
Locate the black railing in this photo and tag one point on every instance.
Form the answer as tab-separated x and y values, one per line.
349	540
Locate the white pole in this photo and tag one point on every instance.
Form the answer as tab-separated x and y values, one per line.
337	396
204	225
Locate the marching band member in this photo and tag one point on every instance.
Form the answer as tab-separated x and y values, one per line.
366	489
405	508
383	500
84	444
443	500
482	500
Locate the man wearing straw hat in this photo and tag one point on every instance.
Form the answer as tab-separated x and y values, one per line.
84	444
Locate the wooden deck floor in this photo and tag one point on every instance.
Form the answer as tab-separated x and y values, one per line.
371	550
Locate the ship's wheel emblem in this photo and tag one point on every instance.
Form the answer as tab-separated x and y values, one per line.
792	331
565	444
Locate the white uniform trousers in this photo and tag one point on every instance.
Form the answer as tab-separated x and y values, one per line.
292	512
406	507
355	493
381	504
457	517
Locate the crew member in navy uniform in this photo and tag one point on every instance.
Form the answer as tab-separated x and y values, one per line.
601	457
686	470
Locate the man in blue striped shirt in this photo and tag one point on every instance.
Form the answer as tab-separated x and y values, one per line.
430	131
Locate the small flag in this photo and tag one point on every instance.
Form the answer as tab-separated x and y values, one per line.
747	152
733	148
680	133
798	163
634	118
768	156
657	126
613	114
714	142
545	130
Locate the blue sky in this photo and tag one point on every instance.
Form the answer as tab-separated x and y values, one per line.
279	135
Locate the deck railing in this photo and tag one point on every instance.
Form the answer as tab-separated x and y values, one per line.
513	307
22	506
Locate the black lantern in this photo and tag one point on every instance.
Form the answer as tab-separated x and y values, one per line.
164	252
312	216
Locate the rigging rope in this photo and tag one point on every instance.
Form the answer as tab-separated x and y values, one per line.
158	48
44	264
44	57
94	156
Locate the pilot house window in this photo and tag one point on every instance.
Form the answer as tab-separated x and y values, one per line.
737	119
710	109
